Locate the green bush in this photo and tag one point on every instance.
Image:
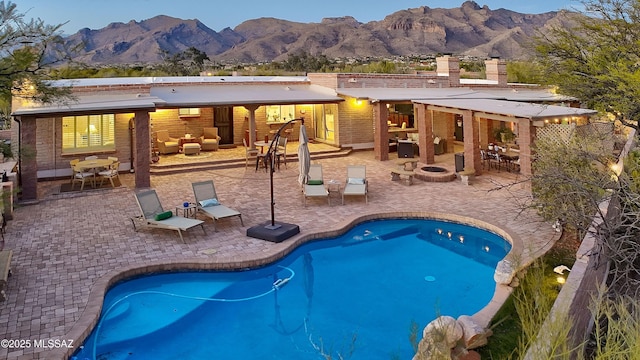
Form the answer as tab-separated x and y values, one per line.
5	148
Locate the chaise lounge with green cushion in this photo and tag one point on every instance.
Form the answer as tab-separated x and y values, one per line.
315	184
207	202
154	216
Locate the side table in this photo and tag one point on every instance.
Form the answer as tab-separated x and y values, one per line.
187	211
334	186
187	140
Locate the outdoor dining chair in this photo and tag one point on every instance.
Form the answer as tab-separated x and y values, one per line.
81	176
73	163
110	173
281	151
250	154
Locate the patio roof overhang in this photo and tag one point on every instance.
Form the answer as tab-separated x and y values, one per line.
238	95
503	110
186	96
409	94
528	95
93	104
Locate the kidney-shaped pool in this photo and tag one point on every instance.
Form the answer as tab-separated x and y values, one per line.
364	295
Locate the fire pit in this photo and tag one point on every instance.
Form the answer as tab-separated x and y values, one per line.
434	174
435	169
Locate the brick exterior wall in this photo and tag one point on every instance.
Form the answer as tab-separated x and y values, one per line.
354	123
443	127
472	159
354	81
142	149
28	162
496	70
526	138
449	67
52	162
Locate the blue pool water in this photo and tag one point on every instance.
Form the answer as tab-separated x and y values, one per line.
352	297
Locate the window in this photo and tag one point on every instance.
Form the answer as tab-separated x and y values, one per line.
186	112
280	113
88	133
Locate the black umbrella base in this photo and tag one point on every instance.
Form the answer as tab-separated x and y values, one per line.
278	233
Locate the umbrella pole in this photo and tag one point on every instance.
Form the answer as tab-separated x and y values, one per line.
273	147
271	171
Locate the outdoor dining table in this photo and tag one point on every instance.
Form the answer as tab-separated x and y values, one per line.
262	144
509	156
93	165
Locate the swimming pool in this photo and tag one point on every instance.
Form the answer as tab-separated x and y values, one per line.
362	295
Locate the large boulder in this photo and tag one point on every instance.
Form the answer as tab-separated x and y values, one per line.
444	329
430	350
474	334
505	271
438	338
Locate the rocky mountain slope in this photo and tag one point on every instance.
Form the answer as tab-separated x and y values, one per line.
467	30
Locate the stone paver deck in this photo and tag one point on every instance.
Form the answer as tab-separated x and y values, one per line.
68	247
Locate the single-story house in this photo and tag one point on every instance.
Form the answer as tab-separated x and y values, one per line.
121	116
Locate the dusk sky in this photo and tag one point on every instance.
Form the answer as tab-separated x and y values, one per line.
218	15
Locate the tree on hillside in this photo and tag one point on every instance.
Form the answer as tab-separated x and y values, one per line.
526	72
27	50
189	62
597	60
305	62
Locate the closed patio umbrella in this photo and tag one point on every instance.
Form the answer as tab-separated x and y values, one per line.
304	158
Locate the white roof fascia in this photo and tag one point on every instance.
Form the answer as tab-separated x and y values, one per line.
94	103
464	81
186	80
194	96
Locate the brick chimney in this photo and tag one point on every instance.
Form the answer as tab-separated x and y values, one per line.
449	66
496	70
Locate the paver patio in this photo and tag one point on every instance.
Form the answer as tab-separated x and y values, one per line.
65	245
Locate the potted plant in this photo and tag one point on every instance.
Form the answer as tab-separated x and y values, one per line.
504	134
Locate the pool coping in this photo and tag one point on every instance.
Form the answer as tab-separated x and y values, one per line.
91	312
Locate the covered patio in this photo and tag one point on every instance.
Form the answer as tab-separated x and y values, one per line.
478	118
464	117
140	107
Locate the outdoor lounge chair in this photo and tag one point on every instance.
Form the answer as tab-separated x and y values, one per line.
154	216
210	139
207	202
356	183
315	184
167	144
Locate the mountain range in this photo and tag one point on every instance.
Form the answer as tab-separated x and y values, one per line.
469	30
